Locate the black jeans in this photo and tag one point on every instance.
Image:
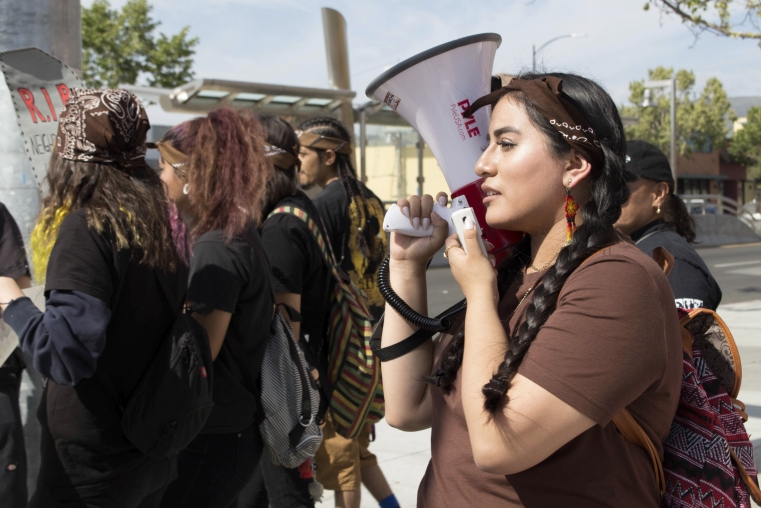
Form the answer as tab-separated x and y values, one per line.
12	452
213	469
278	486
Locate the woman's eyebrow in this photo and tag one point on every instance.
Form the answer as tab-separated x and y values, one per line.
503	130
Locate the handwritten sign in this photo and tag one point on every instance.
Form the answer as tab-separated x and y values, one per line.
8	338
40	86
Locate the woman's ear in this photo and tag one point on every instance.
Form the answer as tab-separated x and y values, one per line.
660	194
577	169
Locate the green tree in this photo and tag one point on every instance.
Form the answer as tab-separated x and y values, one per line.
701	120
121	47
745	147
730	18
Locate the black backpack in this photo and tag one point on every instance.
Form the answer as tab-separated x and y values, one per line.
173	399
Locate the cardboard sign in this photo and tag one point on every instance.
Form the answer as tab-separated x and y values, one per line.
8	338
40	86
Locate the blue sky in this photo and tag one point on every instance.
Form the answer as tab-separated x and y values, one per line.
281	41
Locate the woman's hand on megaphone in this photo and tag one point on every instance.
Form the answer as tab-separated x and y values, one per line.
475	273
418	250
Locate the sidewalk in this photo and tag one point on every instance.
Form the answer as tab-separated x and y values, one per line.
404	456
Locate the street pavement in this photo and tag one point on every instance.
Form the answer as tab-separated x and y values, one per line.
404	456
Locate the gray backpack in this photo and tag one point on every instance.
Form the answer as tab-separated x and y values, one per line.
289	399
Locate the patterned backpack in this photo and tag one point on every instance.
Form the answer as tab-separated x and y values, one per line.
353	371
708	456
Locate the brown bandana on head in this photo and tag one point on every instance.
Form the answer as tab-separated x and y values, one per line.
171	155
547	95
280	158
104	126
311	140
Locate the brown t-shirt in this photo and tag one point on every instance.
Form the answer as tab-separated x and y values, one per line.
613	342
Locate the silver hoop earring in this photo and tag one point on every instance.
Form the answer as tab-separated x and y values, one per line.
186	189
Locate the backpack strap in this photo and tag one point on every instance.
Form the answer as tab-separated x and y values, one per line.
634	433
325	248
753	489
265	262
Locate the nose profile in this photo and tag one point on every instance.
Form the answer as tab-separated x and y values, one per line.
486	165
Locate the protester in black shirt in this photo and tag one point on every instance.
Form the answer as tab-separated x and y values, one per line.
655	217
214	168
302	281
352	216
103	239
13	462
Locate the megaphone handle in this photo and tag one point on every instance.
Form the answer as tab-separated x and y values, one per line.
396	221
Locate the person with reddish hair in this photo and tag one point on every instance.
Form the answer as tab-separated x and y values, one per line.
214	169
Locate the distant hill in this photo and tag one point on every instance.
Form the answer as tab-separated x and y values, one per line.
741	105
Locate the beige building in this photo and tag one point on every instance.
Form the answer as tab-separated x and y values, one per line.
392	173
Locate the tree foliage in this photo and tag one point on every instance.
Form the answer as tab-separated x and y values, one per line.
121	47
746	144
729	18
701	120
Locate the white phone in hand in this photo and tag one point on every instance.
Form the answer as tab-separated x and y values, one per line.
458	221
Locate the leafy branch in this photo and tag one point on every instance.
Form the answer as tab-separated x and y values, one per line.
693	14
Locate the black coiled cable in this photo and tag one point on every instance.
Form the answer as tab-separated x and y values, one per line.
404	310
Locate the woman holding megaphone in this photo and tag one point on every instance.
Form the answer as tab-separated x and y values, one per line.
576	325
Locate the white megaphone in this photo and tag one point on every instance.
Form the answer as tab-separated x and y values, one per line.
431	90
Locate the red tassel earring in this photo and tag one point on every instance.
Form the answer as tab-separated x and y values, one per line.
570	213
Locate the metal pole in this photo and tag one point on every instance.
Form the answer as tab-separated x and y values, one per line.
401	183
337	53
673	131
420	178
362	143
66	33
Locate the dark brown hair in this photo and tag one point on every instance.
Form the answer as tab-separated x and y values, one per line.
227	171
600	212
284	181
676	216
133	208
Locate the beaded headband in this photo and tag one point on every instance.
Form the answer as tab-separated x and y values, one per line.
170	154
548	97
311	140
280	158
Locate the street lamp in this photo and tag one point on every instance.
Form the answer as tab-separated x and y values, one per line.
648	103
536	51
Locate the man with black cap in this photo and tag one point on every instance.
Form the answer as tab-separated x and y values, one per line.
655	217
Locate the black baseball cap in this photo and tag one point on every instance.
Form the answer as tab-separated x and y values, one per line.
647	161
